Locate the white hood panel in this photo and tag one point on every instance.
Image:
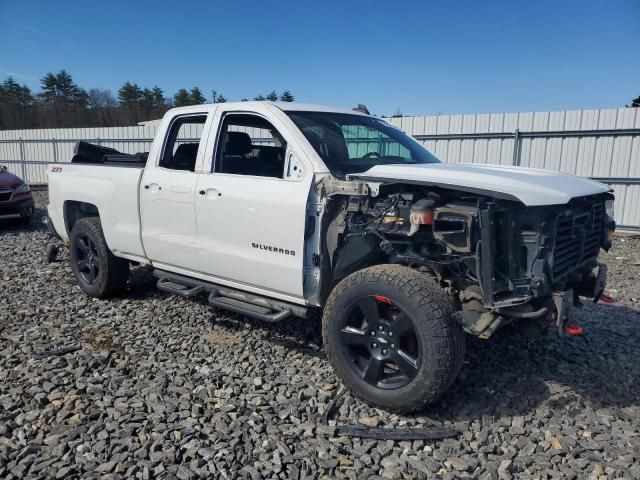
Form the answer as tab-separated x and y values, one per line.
531	186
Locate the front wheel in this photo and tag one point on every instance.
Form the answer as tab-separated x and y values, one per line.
389	334
99	273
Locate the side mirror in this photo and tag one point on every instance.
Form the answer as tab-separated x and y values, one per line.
3	168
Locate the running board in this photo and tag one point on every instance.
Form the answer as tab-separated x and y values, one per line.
250	310
166	285
256	306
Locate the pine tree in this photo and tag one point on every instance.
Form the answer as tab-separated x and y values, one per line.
273	96
196	97
286	96
158	97
259	98
68	90
16	102
130	97
60	91
221	99
635	103
49	87
49	95
146	102
182	98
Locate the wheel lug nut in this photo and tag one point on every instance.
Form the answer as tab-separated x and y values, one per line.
390	334
384	351
393	345
373	334
374	345
380	328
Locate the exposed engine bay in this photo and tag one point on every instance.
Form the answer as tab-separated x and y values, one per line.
499	259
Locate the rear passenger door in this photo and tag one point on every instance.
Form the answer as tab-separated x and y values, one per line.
251	207
167	194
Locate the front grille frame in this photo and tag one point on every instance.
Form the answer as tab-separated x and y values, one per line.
6	194
578	238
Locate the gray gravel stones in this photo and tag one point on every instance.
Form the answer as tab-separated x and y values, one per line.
164	387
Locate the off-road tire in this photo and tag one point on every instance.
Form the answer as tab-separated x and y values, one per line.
431	310
113	272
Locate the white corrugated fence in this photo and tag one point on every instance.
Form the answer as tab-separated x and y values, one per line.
601	144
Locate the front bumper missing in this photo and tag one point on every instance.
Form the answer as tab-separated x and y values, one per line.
564	307
565	301
600	283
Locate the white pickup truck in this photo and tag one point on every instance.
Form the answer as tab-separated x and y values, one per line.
281	209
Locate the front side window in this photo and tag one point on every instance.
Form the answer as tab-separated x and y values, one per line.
350	143
181	146
250	145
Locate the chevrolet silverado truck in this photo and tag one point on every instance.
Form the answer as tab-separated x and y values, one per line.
276	210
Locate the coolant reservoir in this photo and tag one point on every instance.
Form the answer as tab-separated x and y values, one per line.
421	213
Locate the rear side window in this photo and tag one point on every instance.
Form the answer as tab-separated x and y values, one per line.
181	145
250	145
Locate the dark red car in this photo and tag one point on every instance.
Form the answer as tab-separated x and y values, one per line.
16	201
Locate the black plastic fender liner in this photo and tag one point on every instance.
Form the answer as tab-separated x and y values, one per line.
399	434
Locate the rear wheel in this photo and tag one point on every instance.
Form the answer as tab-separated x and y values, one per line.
389	334
98	272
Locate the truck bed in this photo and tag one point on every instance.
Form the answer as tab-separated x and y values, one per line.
114	192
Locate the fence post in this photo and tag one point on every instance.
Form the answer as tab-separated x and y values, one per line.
22	161
55	150
516	148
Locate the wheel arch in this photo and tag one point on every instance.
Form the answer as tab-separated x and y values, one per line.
75	210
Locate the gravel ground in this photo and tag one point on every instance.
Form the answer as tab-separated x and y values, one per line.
162	387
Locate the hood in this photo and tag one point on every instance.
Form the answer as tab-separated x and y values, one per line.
9	180
531	186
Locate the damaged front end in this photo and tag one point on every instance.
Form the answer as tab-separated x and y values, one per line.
500	260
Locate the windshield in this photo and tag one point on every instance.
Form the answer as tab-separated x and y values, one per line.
354	143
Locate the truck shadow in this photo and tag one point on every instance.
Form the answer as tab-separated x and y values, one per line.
514	375
509	374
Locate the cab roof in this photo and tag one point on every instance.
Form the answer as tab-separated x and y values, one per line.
285	106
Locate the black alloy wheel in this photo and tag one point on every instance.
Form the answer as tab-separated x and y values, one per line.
380	341
87	259
98	271
390	334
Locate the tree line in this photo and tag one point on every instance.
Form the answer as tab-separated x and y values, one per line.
61	103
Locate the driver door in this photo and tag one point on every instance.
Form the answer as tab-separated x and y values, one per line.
250	213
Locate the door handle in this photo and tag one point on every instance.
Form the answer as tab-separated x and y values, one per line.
210	193
146	187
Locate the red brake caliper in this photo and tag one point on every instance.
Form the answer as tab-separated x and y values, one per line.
383	299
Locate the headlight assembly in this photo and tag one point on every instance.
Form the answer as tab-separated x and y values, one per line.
608	205
24	188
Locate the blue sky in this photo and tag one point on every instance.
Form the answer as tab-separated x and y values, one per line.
420	57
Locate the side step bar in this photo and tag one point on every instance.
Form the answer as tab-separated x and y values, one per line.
248	309
167	286
255	306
